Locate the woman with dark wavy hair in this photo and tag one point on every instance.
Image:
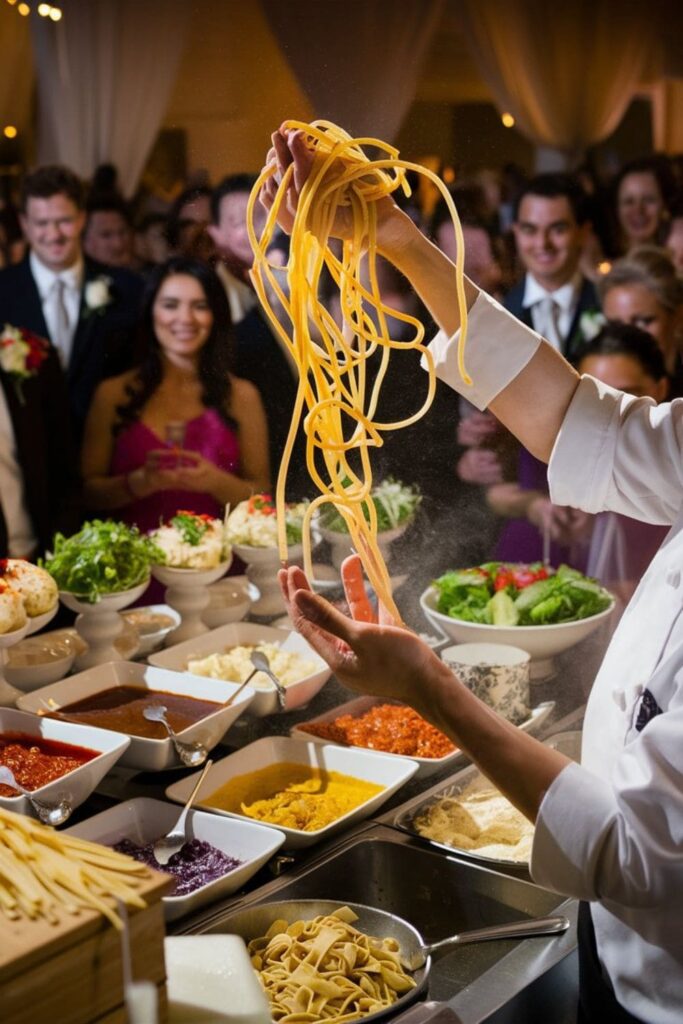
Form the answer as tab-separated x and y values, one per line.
180	431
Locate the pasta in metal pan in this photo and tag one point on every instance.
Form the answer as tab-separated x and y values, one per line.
325	969
336	403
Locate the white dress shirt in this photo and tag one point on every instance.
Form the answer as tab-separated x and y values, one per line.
20	536
566	300
611	830
73	282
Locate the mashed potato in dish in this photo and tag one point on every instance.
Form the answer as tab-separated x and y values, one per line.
234	665
192	541
36	586
481	820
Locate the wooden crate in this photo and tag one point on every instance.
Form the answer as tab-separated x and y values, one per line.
71	972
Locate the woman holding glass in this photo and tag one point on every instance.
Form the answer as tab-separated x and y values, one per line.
180	431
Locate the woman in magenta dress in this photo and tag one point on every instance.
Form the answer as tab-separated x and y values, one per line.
180	431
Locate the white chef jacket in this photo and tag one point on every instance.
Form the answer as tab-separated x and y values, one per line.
611	830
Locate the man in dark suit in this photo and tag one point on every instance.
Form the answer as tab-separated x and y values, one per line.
86	309
38	465
550	230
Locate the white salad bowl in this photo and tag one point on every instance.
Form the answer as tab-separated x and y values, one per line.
144	821
262	569
239	634
342	547
144	753
99	622
187	593
541	642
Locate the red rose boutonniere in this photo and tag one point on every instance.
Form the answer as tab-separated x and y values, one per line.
21	355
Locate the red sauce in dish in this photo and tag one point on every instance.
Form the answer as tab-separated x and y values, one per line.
36	761
120	708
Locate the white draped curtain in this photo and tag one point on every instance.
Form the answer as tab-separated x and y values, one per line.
105	72
566	71
358	61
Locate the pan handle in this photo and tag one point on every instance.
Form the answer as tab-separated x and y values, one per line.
511	930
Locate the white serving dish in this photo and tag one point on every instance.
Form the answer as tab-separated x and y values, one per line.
426	765
144	821
148	754
356	708
37	661
77	785
107	602
568	743
541	642
150	637
229	601
388	771
244	633
174	576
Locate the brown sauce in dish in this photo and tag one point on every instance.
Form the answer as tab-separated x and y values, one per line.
35	761
120	708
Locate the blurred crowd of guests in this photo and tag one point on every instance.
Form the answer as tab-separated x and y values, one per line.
165	387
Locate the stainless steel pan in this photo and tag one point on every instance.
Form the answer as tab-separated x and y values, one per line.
415	953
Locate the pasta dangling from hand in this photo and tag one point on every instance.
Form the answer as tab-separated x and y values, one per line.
335	400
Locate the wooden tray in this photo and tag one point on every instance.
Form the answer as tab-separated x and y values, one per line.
71	972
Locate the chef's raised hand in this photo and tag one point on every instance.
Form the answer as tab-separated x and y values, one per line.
376	658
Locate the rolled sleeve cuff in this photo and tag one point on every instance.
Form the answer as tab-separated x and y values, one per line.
498	347
574	819
581	464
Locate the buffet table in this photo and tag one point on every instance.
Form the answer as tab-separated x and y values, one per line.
377	864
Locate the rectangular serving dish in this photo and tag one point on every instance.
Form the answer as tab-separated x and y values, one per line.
426	765
390	772
568	743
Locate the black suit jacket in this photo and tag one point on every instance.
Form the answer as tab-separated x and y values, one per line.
104	339
588	301
45	452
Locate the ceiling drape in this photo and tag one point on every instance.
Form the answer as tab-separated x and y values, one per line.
105	72
567	72
358	61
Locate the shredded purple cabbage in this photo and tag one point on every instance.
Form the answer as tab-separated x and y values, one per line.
196	864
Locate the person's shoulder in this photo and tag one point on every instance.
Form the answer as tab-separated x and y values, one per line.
121	278
513	298
13	274
113	390
242	390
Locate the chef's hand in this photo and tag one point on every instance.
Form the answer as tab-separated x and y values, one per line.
292	149
380	659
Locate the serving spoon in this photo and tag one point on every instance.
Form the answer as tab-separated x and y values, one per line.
174	840
191	754
49	814
261	664
511	930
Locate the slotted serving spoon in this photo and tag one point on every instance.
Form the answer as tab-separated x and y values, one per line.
191	754
49	814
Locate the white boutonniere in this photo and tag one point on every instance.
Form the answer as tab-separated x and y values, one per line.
591	323
97	295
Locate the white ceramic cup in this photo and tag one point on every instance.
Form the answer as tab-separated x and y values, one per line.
497	673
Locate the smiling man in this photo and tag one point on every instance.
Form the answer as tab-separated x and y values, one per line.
87	310
550	228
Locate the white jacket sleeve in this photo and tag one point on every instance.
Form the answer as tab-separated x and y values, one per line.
619	453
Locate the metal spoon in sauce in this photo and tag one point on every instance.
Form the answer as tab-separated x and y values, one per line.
174	840
49	814
191	754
